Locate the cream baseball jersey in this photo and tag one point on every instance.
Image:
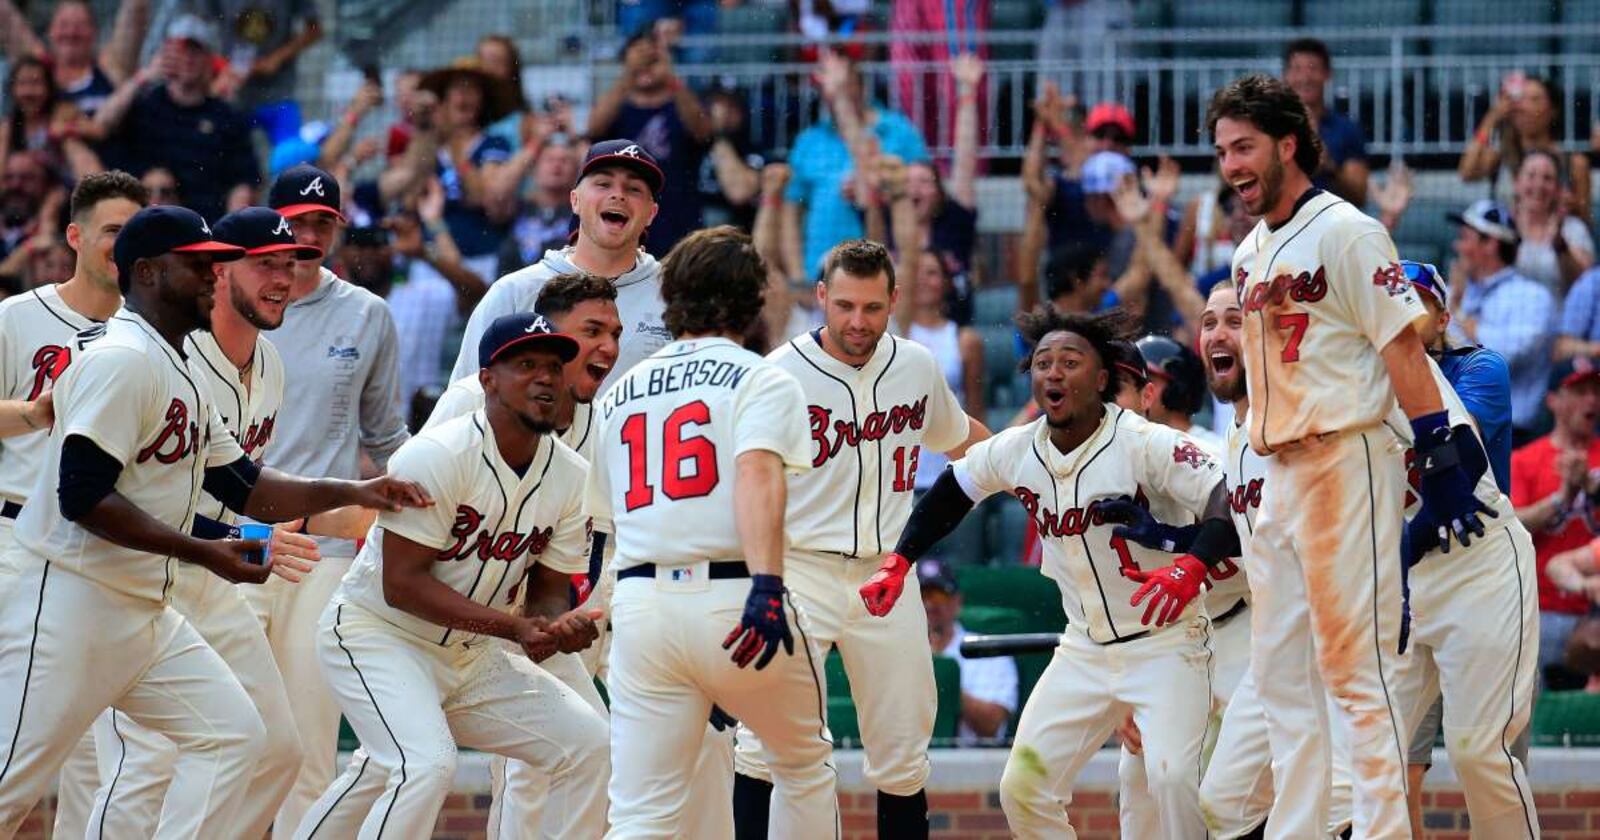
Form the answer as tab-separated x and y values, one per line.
487	524
1322	294
1063	494
465	395
136	398
670	433
38	341
1227	582
248	412
868	427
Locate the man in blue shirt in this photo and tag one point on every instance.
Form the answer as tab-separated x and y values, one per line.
1505	311
1307	65
821	162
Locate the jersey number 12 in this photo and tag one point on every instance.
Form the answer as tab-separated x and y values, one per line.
678	451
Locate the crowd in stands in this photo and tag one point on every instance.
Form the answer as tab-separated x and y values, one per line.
471	181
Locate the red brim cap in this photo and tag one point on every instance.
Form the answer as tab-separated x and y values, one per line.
221	251
564	345
294	210
301	252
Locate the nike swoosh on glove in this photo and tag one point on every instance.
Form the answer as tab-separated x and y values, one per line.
764	625
1446	489
1172	588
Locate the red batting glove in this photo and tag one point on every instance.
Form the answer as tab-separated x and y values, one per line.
884	587
1173	586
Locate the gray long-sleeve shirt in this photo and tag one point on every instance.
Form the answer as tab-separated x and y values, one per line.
340	353
638	304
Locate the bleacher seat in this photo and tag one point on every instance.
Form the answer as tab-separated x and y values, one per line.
1481	13
1021	588
1567	718
1000	367
751	19
993	306
1231	15
947	688
843	721
1378	14
1014	16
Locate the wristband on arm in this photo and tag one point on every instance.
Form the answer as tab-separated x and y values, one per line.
1217	540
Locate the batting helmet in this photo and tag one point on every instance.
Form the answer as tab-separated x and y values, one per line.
1181	369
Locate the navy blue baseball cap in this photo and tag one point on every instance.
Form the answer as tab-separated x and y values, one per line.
305	189
935	575
524	328
156	231
626	154
262	230
1425	276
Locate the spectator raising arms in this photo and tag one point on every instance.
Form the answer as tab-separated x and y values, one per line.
259	45
164	116
83	77
818	213
1523	118
652	106
730	176
1307	66
1556	247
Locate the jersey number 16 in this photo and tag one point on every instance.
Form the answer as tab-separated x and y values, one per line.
687	463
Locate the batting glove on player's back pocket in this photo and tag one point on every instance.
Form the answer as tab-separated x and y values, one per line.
764	625
1447	489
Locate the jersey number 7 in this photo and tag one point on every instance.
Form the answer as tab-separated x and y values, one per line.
678	451
1296	323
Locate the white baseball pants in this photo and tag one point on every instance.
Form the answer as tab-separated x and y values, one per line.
290	612
1083	694
136	762
80	775
70	648
1475	635
892	687
412	702
1327	613
667	668
1230	641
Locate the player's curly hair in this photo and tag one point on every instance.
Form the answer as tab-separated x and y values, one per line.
713	282
563	292
1272	106
1102	330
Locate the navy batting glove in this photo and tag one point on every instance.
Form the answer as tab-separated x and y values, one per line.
721	720
1135	524
1447	495
1421	535
763	626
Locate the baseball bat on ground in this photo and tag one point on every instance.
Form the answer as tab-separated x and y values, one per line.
1008	644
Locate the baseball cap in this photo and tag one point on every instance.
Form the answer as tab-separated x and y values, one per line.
303	189
1103	171
935	575
155	231
262	230
1425	276
523	328
1127	358
1490	218
188	27
627	154
1109	114
1568	372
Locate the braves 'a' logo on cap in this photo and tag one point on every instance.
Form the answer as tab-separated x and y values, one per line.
631	151
314	187
282	228
205	227
539	325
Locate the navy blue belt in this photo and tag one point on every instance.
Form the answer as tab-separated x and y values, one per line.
10	510
725	570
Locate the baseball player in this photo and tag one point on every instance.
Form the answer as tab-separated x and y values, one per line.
246	380
1462	608
1329	347
1171	395
1064	468
615	202
37	331
584	307
339	341
90	627
874	402
1236	789
701	429
410	642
